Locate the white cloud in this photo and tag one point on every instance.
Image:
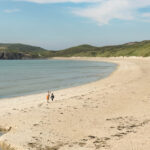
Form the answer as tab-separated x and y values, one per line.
103	11
11	10
145	15
108	10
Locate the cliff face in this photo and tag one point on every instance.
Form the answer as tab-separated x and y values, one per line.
9	55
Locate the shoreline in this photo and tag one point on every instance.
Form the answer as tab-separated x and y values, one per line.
117	101
60	87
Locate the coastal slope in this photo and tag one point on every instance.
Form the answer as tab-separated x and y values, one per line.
112	113
129	49
22	51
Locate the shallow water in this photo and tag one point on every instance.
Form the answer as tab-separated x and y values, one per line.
21	77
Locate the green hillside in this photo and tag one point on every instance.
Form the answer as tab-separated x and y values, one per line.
129	49
21	51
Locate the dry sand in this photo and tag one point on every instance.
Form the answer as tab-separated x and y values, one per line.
113	113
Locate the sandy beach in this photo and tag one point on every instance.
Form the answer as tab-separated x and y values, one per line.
109	114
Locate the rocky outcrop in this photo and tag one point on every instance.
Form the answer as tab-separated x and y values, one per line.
9	55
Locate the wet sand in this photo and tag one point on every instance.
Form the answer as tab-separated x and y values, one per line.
112	113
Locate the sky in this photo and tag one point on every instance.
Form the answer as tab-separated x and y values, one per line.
59	24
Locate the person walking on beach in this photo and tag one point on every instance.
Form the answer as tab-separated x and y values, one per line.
47	97
52	96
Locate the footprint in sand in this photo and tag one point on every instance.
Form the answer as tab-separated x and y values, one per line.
92	137
39	105
75	108
81	144
35	124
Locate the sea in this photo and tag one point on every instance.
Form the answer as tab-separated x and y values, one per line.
24	77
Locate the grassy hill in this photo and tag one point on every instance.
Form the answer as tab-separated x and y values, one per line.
129	49
21	51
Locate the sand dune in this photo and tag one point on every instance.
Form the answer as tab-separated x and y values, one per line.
112	113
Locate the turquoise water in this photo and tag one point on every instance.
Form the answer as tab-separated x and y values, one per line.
21	77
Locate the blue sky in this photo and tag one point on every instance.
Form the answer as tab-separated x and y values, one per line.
59	24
